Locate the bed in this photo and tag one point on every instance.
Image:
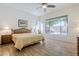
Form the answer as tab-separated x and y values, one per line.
24	37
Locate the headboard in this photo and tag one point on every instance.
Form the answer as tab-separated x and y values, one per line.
21	30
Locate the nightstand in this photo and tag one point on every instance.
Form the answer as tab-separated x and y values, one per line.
6	39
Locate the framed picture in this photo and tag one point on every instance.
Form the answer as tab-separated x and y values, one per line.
22	23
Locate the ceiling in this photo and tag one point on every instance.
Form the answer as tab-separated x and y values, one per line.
32	8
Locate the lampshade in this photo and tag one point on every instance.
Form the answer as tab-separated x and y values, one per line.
6	28
77	31
6	31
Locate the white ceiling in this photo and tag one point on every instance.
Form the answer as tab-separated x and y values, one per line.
32	8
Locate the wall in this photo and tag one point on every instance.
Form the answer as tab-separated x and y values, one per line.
73	22
9	17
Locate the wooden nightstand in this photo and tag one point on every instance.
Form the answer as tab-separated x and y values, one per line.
6	39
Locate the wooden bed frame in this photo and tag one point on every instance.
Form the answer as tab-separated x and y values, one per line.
21	30
24	30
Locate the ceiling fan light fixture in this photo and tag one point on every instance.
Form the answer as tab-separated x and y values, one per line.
44	5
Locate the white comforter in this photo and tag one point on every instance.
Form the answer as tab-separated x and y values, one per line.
25	39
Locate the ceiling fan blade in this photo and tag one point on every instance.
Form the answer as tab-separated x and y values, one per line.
51	6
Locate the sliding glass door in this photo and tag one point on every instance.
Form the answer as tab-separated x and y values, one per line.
57	25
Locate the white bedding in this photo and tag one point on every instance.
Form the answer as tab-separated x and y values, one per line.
25	39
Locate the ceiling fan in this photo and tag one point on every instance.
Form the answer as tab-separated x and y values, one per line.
45	6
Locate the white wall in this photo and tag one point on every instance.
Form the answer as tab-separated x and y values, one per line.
73	21
9	17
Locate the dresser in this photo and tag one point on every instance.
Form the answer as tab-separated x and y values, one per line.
78	46
5	39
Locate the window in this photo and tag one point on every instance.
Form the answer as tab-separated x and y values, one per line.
39	27
57	25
